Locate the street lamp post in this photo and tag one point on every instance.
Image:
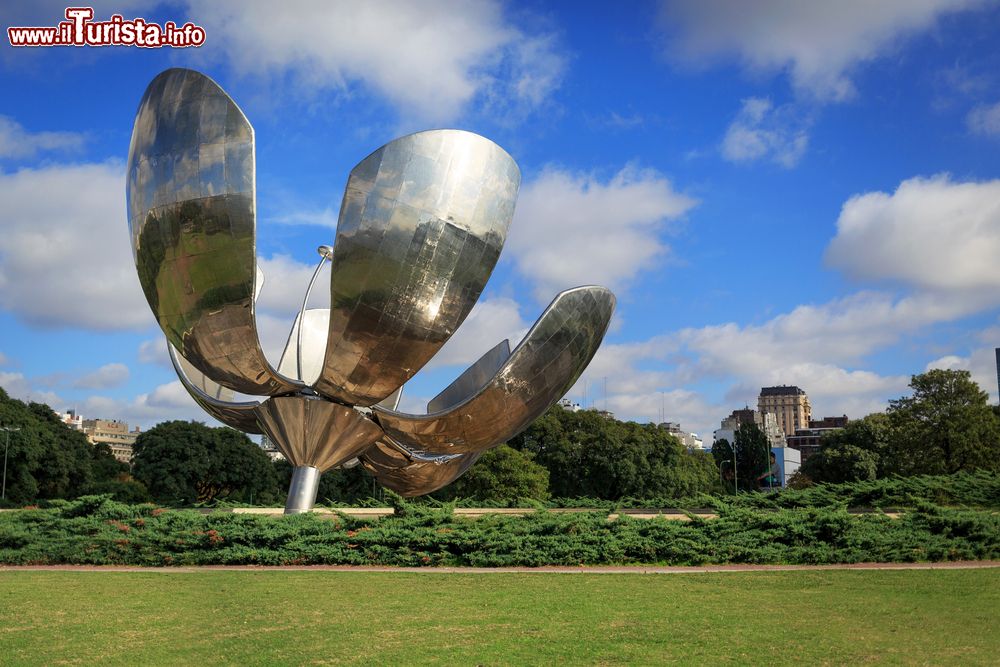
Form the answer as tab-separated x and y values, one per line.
736	479
3	495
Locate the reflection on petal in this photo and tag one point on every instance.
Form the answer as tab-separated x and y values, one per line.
420	230
539	372
413	477
313	432
191	213
210	396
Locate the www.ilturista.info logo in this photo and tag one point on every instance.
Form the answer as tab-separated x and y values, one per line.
80	30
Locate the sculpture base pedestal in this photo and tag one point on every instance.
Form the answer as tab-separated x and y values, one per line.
303	489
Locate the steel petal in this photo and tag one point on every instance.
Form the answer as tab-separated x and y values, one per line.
539	372
208	395
418	477
191	211
420	230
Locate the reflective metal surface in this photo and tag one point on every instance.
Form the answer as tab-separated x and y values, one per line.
241	416
391	402
414	478
474	377
385	454
302	490
191	213
421	227
310	431
325	253
199	379
541	370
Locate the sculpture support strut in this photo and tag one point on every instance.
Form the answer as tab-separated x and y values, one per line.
303	489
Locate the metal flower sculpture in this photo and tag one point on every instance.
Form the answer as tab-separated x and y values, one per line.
420	230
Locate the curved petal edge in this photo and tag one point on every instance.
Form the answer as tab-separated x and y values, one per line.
542	368
421	227
238	415
192	214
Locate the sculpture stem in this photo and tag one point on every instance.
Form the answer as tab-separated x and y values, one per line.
302	491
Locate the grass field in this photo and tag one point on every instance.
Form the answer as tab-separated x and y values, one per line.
296	617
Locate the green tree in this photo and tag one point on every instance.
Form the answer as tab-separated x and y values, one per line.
752	452
187	462
946	426
104	466
109	475
873	434
501	474
588	454
694	473
840	463
722	457
340	485
46	458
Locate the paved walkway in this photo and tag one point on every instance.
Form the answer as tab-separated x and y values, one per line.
623	569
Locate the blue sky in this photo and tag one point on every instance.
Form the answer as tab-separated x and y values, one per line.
793	192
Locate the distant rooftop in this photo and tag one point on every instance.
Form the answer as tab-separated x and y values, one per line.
783	390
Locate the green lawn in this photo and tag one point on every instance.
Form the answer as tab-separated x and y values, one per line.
287	617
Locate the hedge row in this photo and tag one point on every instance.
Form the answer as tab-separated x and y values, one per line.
97	530
980	489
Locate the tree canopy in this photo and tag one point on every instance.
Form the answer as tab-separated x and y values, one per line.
839	463
588	454
186	462
501	474
48	459
752	451
946	426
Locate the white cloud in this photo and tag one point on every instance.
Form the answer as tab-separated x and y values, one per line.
688	408
19	387
17	142
285	282
169	395
948	362
3	359
984	120
431	59
980	362
64	252
822	348
325	217
154	351
818	43
559	237
761	131
931	233
105	377
936	237
842	331
165	402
